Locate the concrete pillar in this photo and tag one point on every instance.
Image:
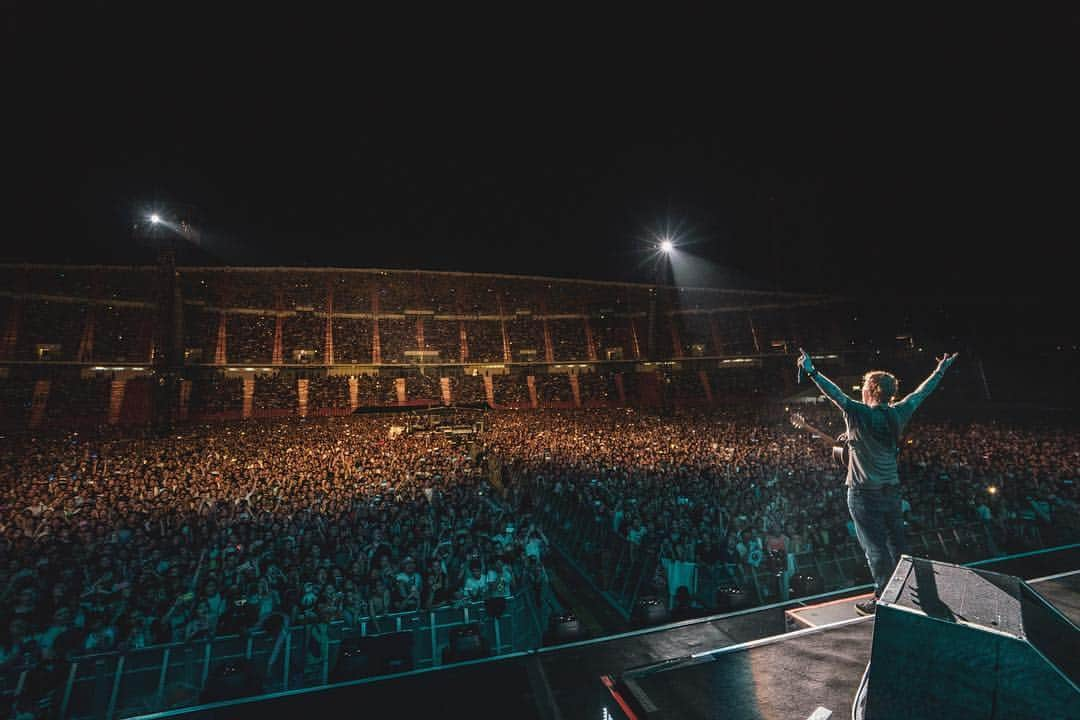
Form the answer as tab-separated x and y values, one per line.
185	398
354	392
220	351
302	397
249	397
38	403
531	382
116	400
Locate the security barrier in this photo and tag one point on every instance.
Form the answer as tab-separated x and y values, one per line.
123	684
625	573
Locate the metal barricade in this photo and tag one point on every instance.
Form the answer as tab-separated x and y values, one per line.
176	675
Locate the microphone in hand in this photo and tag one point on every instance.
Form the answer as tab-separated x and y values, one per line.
800	369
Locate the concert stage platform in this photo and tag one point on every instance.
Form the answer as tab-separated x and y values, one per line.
795	675
803	659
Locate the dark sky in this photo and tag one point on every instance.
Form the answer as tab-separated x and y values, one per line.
929	154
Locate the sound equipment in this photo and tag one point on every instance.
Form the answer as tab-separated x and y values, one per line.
375	655
358	658
651	611
959	643
731	598
804	584
397	651
236	678
466	643
495	606
566	628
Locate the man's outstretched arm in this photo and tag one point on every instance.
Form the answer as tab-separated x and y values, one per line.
916	397
827	386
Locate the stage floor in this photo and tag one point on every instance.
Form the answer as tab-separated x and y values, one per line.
789	676
749	665
786	678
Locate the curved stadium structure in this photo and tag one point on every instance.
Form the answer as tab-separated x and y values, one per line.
266	342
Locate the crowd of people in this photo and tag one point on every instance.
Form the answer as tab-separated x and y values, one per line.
424	386
443	337
90	393
510	390
483	340
328	392
568	339
711	487
303	333
352	340
250	338
209	396
122	543
468	389
598	388
52	323
274	392
126	542
526	338
396	336
684	385
552	388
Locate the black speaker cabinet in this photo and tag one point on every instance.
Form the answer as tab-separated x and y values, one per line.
373	655
958	643
232	679
466	643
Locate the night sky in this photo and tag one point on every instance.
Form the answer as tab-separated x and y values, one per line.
923	155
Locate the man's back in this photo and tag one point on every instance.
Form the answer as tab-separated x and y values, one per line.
873	435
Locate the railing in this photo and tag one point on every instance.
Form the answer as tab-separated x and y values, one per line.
619	569
123	684
625	573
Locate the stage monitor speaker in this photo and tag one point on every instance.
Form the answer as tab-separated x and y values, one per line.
566	628
806	584
397	652
730	599
374	655
358	658
466	643
960	643
495	607
651	611
230	680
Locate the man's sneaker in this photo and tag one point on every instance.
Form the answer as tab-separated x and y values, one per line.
867	607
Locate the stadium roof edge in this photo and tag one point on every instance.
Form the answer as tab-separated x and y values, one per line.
451	273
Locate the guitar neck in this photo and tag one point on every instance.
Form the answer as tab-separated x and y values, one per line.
839	448
825	437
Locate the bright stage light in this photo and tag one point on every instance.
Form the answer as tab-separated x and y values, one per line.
155	219
666	245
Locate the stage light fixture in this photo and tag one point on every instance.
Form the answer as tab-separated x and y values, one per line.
666	245
155	218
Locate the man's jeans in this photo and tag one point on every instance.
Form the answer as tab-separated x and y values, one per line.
879	525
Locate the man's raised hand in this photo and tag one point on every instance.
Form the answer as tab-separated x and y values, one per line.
946	361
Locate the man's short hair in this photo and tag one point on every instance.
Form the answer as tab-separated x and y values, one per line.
880	385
